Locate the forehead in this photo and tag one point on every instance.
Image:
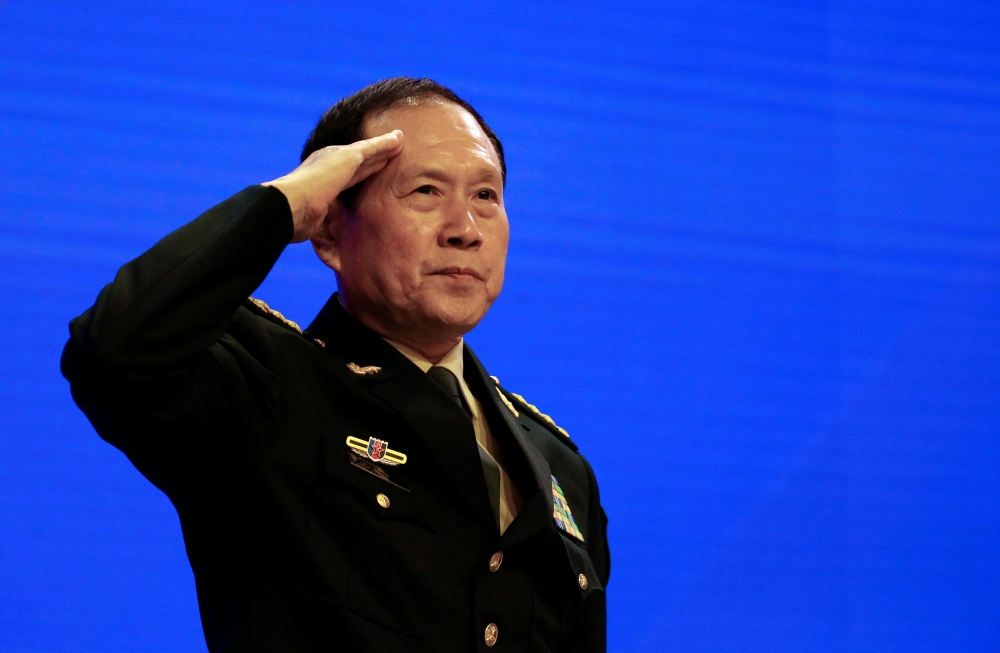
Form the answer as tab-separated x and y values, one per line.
432	127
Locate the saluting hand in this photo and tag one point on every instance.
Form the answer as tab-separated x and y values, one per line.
312	189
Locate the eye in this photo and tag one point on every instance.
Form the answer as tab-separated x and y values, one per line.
425	190
486	194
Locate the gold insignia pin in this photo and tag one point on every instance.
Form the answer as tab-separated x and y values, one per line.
367	369
376	450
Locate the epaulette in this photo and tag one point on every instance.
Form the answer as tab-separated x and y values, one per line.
543	419
262	305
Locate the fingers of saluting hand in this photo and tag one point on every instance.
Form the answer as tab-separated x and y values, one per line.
384	145
375	153
313	187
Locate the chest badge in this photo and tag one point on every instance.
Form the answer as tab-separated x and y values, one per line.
561	513
376	450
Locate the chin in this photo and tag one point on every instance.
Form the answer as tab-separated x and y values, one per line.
459	315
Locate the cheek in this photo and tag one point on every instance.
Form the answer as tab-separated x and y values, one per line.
500	238
387	244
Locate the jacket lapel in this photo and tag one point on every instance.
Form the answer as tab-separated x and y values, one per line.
440	423
536	513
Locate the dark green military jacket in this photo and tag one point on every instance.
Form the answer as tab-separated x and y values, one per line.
298	544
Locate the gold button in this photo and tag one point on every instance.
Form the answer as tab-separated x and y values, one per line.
382	500
490	636
496	560
584	583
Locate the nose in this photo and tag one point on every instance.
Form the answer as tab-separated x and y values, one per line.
460	229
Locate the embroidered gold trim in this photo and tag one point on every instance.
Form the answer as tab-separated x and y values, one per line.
507	403
541	414
367	369
262	305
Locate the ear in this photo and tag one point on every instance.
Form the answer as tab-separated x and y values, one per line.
328	245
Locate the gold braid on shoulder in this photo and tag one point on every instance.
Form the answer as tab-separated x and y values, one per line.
530	407
262	305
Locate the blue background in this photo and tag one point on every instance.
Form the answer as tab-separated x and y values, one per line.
755	272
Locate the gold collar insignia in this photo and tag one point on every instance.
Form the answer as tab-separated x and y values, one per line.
367	369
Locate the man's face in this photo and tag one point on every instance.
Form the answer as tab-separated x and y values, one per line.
422	258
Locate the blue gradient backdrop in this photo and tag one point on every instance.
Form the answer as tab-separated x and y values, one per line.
755	272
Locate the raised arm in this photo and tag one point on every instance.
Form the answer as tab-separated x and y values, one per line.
177	298
150	361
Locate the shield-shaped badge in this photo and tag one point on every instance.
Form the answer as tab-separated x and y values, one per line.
376	449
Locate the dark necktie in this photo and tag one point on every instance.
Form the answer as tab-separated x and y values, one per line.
449	383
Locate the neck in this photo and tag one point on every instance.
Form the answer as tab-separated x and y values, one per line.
433	354
432	348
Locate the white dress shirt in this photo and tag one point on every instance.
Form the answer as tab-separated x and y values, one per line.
454	361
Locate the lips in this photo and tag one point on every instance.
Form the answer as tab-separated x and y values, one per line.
460	272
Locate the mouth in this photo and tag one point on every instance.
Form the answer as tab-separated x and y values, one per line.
460	273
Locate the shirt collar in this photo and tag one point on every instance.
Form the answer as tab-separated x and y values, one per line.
453	361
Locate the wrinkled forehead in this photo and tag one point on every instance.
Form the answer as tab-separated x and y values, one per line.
431	122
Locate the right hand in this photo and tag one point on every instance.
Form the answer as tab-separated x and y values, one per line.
312	189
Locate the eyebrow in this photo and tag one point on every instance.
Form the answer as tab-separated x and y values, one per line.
484	173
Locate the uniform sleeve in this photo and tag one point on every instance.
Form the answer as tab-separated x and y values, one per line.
165	361
600	552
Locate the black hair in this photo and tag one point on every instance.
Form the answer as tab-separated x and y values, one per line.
343	123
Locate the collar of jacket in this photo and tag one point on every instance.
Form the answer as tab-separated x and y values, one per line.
438	421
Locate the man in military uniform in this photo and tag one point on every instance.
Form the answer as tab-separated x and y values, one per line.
363	485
